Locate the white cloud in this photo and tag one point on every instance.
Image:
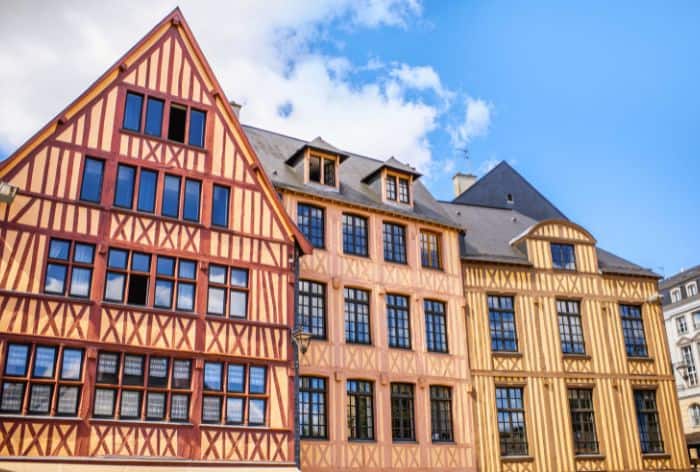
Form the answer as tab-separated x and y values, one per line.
265	57
477	120
487	165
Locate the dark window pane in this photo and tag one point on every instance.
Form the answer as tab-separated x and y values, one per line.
179	407
355	235
213	372
633	331
132	111
502	324
158	372
155	406
154	117
256	413
84	253
357	324
315	169
107	367
435	326
59	249
211	409
12	396
391	187
583	421
404	191
171	196
441	413
55	279
44	362
360	409
17	359
236	378
511	421
117	259
648	423
398	321
147	191
394	243
68	397
80	282
176	126
165	266
91	187
40	399
430	250
192	195
234	410
570	328
197	122
133	370
181	374
138	290
312	308
130	404
256	379
402	412
329	172
563	256
311	222
220	202
312	407
104	402
72	364
124	192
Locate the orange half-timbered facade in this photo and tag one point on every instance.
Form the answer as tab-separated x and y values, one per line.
146	278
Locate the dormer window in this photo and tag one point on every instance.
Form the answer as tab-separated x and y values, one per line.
563	257
322	170
398	189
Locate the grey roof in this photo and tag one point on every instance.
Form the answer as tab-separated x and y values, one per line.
493	188
688	274
275	149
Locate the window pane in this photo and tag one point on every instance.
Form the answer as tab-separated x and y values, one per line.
155	406
154	117
59	249
130	404
12	396
179	407
256	415
80	282
132	111
171	196
181	374
217	274
311	222
141	262
91	187
104	402
329	172
187	270
67	400
219	213
17	359
176	125
212	376
117	259
239	277
192	194
158	372
124	192
215	303
114	288
138	290
44	362
107	366
236	378
147	191
84	253
315	169
197	119
164	293
234	410
211	409
72	364
55	278
257	379
165	266
133	370
391	188
185	297
239	304
40	399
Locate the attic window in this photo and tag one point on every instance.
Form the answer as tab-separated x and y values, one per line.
509	198
400	193
322	170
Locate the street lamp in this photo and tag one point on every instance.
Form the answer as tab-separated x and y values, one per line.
302	339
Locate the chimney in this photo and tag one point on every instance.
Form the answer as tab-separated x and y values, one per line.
461	182
236	108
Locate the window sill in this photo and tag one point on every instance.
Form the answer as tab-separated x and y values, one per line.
347	343
514	354
434	269
404	442
161	139
641	359
439	353
400	348
443	443
585	357
149	309
362	441
30	417
517	459
656	455
359	256
173	424
314	439
589	457
402	264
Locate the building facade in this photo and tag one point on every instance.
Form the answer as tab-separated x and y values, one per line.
385	382
681	305
567	348
146	295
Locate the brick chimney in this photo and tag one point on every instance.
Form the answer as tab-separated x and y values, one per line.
236	108
461	182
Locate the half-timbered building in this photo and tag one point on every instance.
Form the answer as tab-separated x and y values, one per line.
567	348
146	278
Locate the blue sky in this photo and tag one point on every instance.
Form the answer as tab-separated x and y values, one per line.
596	103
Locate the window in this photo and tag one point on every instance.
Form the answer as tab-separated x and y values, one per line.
132	111
220	205
391	187
193	191
563	256
691	289
394	243
675	295
228	287
69	268
311	223
225	388
197	125
681	325
148	181
168	283
570	330
696	320
154	117
441	413
312	308
322	170
404	191
91	185
176	126
402	420
694	412
691	372
171	196
648	422
50	387
430	250
435	326
124	192
360	410
313	408
148	384
511	421
132	273
502	324
398	321
355	235
633	331
583	421
357	327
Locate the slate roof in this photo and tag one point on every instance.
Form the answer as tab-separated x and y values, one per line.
489	224
688	274
275	149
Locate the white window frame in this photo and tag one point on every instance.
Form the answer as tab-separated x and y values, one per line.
681	325
675	295
694	412
692	285
689	359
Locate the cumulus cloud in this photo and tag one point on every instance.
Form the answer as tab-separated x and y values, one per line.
266	58
477	120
